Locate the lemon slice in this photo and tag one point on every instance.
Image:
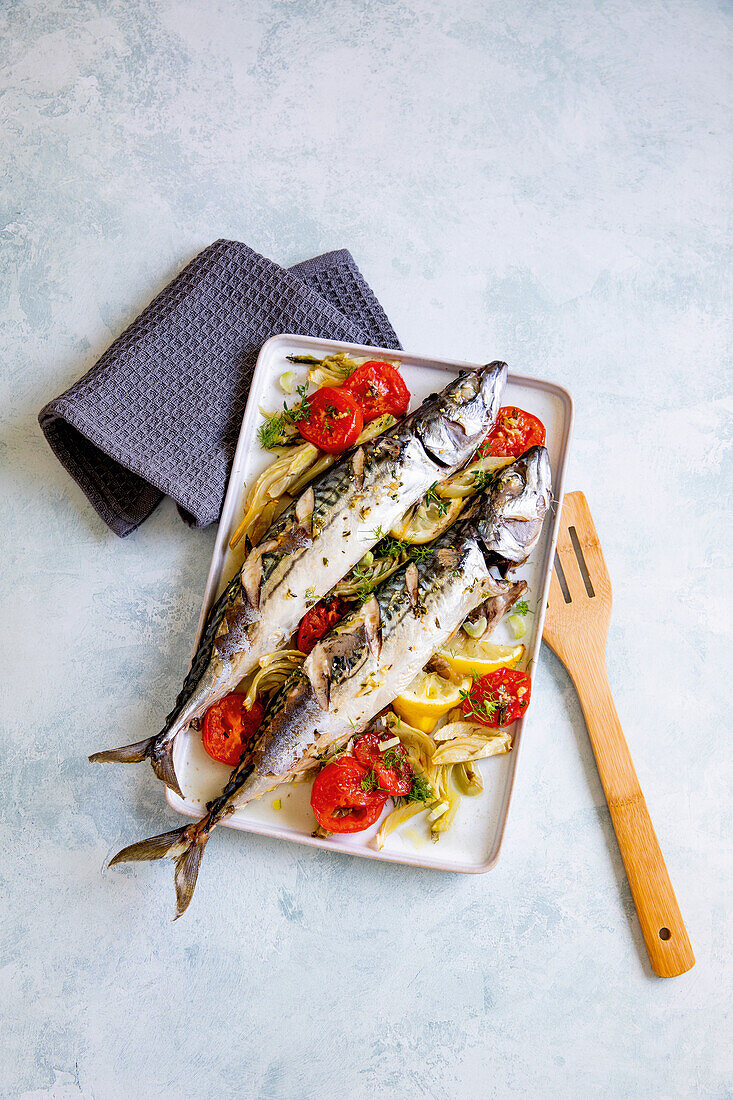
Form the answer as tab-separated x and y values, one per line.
467	656
426	699
426	522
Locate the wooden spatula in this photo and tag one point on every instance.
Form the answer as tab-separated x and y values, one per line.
576	626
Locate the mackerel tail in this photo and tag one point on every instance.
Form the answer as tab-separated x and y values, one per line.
185	845
158	752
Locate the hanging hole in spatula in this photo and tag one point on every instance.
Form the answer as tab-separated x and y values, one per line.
561	578
581	562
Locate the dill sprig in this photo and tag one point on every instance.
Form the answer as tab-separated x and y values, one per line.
389	548
394	548
420	791
393	759
420	553
369	782
274	432
480	708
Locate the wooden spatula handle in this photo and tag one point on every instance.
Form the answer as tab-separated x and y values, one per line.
661	922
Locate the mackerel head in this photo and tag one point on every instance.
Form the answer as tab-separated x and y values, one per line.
521	496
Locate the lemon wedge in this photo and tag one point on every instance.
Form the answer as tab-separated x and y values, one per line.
427	698
467	656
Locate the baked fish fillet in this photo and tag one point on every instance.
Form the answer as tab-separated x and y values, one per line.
315	543
357	669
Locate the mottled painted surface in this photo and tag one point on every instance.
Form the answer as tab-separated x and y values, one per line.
539	182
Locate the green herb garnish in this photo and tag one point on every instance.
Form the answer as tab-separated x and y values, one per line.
420	553
431	497
390	548
270	434
364	592
393	759
273	433
420	791
369	781
481	708
482	478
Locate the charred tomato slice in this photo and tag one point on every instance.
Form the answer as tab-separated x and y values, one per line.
378	388
342	797
514	432
228	728
391	767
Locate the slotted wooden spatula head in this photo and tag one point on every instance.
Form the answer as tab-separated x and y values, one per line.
579	607
576	626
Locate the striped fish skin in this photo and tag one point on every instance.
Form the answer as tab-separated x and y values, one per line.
317	540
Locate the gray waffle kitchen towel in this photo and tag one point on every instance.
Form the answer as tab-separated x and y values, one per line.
159	413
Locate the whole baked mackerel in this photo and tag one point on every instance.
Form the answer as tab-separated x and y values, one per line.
317	540
359	667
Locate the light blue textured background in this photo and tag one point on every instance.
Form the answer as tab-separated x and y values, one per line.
541	182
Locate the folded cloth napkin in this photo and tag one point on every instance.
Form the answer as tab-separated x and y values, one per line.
160	412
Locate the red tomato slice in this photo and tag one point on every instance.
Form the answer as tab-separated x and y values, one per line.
499	698
334	420
392	768
339	800
318	621
228	728
514	432
378	388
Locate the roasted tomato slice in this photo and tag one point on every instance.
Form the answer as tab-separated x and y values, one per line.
514	432
334	420
342	798
318	621
228	728
499	698
391	767
378	388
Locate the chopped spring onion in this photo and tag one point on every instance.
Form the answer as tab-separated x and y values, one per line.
288	381
438	810
384	745
477	629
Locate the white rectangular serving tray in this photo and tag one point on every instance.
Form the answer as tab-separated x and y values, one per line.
473	842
